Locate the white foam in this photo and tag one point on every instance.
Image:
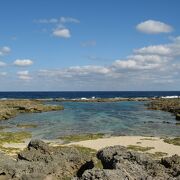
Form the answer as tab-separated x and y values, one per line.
170	97
83	98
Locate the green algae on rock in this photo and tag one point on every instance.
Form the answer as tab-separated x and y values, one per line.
4	127
174	141
169	105
82	137
10	108
139	148
12	137
157	155
26	126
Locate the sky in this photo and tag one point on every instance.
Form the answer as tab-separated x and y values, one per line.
89	45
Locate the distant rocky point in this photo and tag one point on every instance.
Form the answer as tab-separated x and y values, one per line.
11	108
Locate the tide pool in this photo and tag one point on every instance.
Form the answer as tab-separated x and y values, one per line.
115	118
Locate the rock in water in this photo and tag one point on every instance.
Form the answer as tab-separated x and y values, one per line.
178	116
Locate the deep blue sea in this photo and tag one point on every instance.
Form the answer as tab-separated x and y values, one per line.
117	118
88	94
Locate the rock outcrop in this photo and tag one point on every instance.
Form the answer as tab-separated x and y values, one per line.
122	164
40	161
10	108
169	105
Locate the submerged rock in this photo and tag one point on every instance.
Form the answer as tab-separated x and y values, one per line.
178	116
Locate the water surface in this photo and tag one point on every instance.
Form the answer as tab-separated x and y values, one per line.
119	118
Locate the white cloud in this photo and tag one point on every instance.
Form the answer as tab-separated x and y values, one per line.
153	27
23	62
24	75
63	33
159	49
5	50
149	65
2	64
59	25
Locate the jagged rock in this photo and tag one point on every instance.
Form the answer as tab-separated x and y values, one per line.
39	160
122	164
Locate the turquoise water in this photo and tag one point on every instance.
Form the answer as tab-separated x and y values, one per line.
118	118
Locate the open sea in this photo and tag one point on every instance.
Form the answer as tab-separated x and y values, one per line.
117	118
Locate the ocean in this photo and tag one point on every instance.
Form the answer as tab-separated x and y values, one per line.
115	118
87	94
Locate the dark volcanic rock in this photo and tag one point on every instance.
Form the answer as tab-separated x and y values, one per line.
39	161
122	164
169	105
178	116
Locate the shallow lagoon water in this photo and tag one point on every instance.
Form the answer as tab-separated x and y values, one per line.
117	118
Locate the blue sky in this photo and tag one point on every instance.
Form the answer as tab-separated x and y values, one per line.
89	45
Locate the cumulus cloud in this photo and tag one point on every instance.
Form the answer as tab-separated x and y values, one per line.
153	27
2	64
147	65
76	71
63	33
59	25
5	50
159	49
24	75
23	62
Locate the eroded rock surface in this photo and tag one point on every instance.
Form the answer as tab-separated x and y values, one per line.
169	105
40	161
10	108
122	164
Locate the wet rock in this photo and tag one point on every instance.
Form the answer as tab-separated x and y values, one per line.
169	105
178	116
10	108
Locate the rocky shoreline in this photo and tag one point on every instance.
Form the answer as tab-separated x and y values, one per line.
169	105
40	161
11	108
